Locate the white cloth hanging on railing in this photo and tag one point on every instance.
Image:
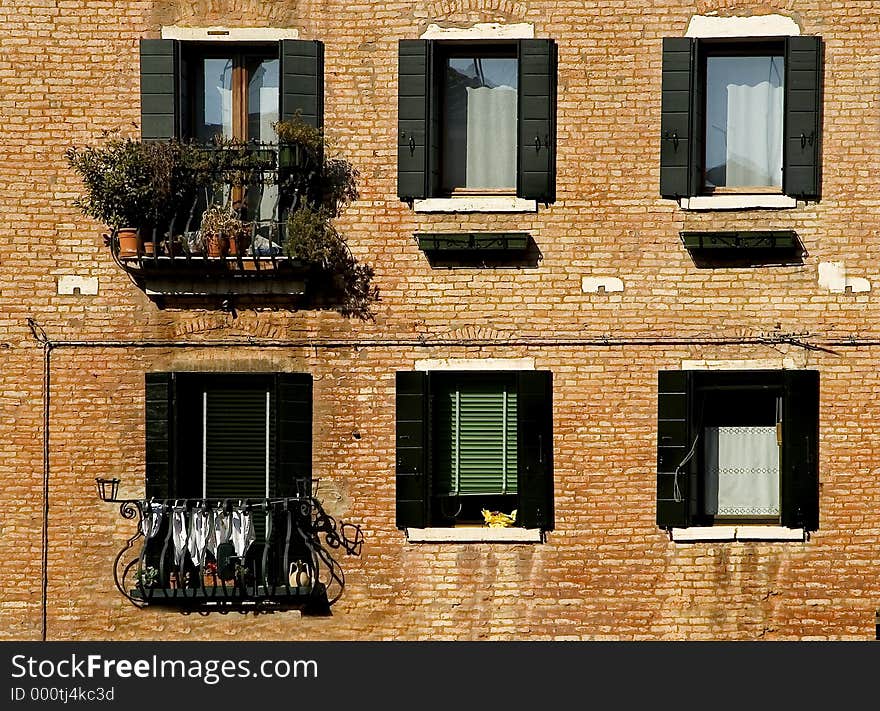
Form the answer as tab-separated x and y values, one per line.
198	535
242	531
153	513
178	534
220	530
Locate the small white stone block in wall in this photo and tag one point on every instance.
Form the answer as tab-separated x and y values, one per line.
832	276
598	285
84	286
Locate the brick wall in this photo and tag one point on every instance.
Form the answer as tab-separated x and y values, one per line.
69	71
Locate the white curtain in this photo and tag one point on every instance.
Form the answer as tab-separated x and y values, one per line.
744	108
226	110
491	137
742	471
268	116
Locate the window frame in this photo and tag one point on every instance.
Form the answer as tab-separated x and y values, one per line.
740	47
456	49
681	477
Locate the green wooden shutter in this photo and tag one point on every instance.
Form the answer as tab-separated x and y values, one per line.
236	447
800	450
159	428
678	174
413	112
803	109
302	80
535	449
294	434
160	89
676	493
536	119
475	437
412	433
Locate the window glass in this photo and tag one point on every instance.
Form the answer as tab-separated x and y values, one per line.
215	115
744	121
479	119
262	99
742	454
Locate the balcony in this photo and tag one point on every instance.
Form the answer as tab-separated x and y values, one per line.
260	555
229	219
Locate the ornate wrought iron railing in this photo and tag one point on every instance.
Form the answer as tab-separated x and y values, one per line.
261	182
257	555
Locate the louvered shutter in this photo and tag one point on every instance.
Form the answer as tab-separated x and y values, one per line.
535	449
679	144
474	424
158	426
302	80
294	431
536	119
803	107
412	434
160	89
413	117
238	425
800	450
676	492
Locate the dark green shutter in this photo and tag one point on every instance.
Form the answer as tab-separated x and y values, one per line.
474	426
294	433
160	89
677	119
158	424
536	119
412	449
800	450
413	111
674	441
302	80
535	445
803	107
235	442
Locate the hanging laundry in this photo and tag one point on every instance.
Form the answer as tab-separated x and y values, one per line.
198	535
153	513
220	530
242	531
178	534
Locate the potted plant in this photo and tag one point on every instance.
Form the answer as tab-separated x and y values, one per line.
220	224
133	187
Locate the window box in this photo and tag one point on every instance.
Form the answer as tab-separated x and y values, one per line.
468	441
738	448
718	95
474	242
477	119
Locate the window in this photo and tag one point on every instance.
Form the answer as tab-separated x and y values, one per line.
228	435
738	447
477	118
741	116
231	93
468	441
235	89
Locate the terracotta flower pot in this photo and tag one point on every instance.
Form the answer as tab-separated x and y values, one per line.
128	241
216	245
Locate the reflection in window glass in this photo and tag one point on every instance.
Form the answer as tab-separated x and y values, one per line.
744	120
216	115
262	99
479	118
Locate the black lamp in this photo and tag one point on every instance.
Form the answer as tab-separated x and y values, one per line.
107	488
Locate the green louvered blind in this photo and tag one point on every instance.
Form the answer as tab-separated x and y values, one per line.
239	443
475	445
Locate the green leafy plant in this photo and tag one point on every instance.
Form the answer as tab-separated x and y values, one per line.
147	577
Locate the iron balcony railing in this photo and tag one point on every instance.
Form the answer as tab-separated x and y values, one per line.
258	554
255	180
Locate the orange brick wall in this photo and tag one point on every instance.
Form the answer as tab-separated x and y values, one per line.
69	70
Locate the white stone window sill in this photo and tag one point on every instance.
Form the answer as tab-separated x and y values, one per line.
738	202
475	204
474	534
697	534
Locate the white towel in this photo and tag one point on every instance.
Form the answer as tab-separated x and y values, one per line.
178	534
152	520
198	535
242	531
